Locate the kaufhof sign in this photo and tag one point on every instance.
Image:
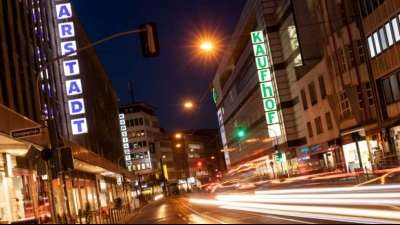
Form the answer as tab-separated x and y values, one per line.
71	70
125	141
267	83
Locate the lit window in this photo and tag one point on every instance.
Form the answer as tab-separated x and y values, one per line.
377	43
371	47
396	30
382	35
389	34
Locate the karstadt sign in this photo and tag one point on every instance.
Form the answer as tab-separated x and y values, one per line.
71	70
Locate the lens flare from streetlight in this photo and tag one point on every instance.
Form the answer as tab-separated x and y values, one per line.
188	105
207	46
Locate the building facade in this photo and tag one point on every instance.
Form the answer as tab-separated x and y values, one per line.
381	29
34	91
327	71
254	84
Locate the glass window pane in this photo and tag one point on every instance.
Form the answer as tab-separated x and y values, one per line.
387	89
389	34
396	30
382	36
377	43
371	47
395	88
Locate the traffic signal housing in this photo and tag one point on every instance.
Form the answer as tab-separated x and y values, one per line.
149	40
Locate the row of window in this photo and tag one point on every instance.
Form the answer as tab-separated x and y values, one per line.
137	134
385	37
143	166
368	6
346	58
138	145
391	88
313	93
135	122
319	125
138	156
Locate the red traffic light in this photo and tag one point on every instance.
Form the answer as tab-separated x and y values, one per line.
199	164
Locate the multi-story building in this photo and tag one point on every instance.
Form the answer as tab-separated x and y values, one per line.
268	49
200	154
144	134
35	90
380	22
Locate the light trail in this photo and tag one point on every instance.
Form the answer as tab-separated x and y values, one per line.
308	201
369	215
330	190
314	216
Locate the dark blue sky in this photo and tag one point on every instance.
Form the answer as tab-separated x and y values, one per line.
164	81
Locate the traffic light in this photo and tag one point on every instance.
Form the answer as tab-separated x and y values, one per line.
149	40
279	157
241	133
199	164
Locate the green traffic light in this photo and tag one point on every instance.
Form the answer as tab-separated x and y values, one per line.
241	133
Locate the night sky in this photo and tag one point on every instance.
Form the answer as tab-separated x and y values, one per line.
177	74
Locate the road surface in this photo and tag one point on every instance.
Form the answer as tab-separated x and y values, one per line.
180	211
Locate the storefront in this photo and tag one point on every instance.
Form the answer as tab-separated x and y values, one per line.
357	149
395	136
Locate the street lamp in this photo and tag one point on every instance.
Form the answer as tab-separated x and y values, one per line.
188	105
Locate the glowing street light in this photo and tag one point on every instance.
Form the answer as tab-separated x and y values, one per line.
178	145
178	136
188	105
207	46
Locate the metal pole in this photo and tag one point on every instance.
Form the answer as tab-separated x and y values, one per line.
51	193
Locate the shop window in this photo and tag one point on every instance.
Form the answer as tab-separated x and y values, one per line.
319	126
329	122
310	130
313	93
322	87
304	99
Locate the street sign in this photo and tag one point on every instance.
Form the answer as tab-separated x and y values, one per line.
24	133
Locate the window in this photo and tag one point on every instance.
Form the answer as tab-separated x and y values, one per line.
322	87
382	36
370	95
310	130
389	34
345	107
396	29
313	93
394	83
141	121
304	99
318	125
387	90
361	52
377	43
371	47
329	122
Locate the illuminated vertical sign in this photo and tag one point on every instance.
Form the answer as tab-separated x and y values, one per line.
266	78
125	142
71	71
